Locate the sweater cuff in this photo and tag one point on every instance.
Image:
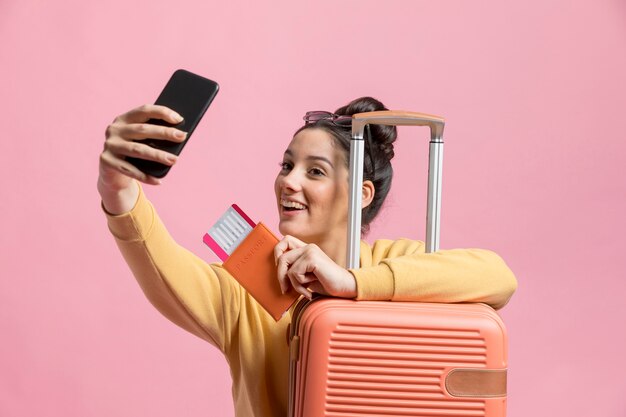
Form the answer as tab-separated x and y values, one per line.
134	225
374	283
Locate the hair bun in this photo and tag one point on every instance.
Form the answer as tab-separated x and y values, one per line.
383	136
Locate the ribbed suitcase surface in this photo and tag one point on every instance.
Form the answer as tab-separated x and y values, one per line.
395	358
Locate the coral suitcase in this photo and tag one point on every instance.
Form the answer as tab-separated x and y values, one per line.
371	358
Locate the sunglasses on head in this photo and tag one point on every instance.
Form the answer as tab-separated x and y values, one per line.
316	116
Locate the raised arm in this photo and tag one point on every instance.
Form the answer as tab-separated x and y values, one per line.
199	297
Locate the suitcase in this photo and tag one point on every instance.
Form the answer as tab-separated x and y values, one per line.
378	358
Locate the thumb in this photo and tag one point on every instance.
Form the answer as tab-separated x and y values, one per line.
318	288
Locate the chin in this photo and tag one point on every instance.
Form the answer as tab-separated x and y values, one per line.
295	231
290	230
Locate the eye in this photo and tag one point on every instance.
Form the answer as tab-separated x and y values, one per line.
285	166
316	172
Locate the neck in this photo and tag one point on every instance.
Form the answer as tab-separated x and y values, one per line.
336	249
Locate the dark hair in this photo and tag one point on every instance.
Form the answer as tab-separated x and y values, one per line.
378	151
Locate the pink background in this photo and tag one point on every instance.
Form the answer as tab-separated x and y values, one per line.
534	97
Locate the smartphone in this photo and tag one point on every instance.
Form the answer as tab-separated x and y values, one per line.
189	95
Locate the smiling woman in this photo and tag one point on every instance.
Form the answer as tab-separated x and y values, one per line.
312	199
312	191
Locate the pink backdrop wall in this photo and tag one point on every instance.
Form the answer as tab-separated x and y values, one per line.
534	96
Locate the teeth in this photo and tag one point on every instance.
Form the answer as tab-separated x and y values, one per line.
292	204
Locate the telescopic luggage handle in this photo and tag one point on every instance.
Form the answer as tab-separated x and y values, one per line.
435	159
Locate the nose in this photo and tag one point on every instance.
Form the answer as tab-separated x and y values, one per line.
290	182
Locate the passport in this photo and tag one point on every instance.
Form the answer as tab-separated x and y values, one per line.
247	252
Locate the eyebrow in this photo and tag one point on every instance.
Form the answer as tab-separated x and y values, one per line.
313	157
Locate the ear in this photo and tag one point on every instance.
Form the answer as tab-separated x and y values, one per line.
368	193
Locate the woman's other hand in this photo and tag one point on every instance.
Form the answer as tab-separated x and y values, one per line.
123	138
308	269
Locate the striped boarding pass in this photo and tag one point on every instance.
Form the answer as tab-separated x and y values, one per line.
228	232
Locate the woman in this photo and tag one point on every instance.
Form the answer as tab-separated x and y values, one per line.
312	196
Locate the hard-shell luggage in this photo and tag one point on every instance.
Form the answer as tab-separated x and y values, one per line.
372	358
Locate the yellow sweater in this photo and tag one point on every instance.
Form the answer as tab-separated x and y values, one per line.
205	300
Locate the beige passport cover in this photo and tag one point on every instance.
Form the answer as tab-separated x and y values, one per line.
252	264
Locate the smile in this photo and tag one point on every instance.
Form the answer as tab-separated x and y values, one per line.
292	205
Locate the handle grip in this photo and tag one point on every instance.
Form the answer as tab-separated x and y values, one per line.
400	118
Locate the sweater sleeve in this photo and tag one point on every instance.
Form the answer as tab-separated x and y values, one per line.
199	297
401	271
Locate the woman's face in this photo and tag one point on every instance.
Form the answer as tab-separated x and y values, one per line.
312	188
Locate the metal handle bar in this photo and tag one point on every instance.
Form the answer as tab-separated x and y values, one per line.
394	118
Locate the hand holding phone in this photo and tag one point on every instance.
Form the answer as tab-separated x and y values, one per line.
189	95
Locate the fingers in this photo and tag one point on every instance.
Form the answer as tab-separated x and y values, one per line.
139	131
109	161
119	143
286	244
282	267
123	139
296	267
146	112
308	269
122	148
299	286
